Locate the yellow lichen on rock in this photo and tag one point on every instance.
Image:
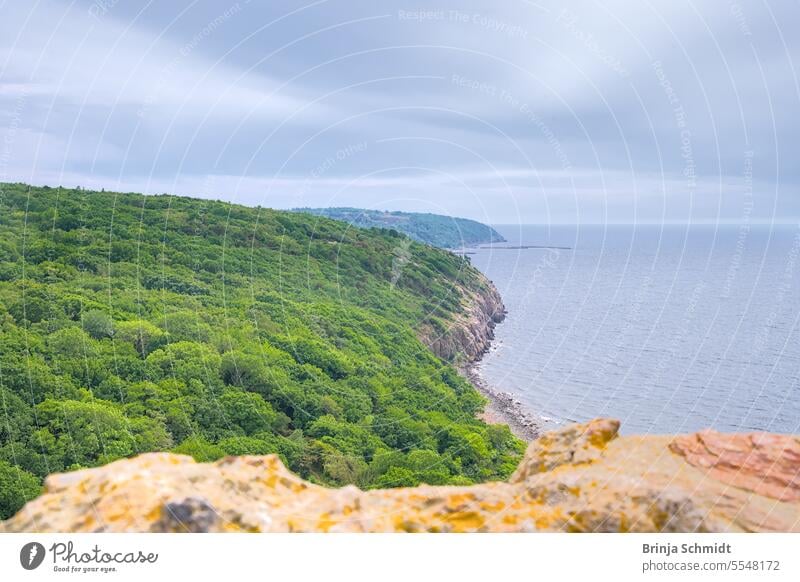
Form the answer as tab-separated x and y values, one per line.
581	478
573	445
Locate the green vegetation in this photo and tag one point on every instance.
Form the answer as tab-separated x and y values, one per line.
133	323
16	488
440	231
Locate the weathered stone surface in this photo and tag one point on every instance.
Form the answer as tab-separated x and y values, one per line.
470	334
581	478
768	464
575	444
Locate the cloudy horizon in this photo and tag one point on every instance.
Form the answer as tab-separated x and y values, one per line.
522	113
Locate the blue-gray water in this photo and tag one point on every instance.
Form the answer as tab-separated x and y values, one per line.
670	329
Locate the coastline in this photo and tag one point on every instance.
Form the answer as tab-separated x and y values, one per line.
464	345
502	408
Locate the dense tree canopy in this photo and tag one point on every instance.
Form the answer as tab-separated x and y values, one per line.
133	323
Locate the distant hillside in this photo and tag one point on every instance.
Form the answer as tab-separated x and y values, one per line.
436	230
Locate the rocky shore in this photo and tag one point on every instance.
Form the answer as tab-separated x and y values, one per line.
503	408
466	342
580	478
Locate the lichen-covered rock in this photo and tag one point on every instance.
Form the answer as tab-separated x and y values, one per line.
575	444
581	478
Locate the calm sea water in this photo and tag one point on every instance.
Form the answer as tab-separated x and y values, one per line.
669	329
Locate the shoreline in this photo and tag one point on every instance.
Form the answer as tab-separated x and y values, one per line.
468	342
502	408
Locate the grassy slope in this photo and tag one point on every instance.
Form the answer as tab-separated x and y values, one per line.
132	323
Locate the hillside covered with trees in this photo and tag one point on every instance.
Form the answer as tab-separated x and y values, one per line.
445	232
133	323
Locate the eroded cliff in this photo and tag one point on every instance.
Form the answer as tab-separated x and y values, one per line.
581	478
471	332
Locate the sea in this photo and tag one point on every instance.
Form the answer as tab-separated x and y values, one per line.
667	328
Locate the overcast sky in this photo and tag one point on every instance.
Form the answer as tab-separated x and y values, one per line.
506	112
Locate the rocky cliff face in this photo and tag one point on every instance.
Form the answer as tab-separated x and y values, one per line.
465	342
469	336
581	478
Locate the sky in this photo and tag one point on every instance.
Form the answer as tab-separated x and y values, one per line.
505	112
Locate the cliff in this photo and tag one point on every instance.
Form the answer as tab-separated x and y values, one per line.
470	333
466	340
582	478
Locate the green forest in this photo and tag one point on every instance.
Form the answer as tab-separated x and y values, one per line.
132	323
446	232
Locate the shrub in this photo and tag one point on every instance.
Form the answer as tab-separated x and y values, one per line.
98	324
17	487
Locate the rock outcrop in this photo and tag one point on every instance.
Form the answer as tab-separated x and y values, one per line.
764	463
471	333
582	478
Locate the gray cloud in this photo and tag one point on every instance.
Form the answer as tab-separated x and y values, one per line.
523	112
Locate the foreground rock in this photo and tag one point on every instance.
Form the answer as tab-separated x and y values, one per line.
581	478
764	463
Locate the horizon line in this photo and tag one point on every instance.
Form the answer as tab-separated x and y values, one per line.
790	221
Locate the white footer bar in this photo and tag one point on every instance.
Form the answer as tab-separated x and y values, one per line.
352	557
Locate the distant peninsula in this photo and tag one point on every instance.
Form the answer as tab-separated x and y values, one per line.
437	230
